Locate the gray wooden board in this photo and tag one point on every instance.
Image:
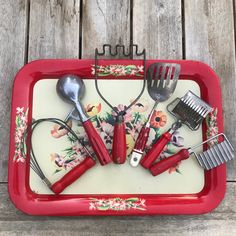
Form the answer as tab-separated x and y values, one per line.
209	37
54	29
219	222
104	22
157	26
13	27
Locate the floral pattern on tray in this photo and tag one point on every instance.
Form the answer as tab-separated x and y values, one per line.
21	126
134	119
212	127
117	204
118	70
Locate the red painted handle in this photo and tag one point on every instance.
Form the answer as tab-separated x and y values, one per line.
156	150
72	175
119	143
163	165
141	141
97	143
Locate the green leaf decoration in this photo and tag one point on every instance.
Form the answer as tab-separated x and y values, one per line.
137	117
170	151
157	135
69	160
71	138
215	111
67	149
140	208
117	199
178	171
103	208
109	118
17	121
128	125
103	73
134	199
130	67
56	171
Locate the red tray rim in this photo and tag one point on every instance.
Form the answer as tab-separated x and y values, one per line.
154	204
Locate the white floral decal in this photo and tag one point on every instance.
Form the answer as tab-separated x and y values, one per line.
21	126
118	70
117	204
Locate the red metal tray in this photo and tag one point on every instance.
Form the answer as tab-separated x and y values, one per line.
81	204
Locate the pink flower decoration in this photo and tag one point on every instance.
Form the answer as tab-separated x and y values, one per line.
56	132
20	159
19	110
174	168
140	68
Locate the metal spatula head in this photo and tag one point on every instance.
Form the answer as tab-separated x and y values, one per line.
190	109
215	155
162	80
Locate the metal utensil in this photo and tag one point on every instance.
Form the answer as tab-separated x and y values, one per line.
189	110
119	138
73	114
209	159
71	88
162	80
69	177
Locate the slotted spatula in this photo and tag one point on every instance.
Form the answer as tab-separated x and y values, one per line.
209	159
162	80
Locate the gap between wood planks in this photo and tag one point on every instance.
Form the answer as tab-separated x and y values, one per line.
183	29
234	15
27	33
80	28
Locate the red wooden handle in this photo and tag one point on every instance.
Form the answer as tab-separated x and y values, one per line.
163	165
156	150
119	143
97	143
141	141
72	175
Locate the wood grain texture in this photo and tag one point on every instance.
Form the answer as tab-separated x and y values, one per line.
13	23
54	29
54	33
104	21
209	34
220	222
157	26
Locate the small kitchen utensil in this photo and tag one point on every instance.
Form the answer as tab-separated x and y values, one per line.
119	138
209	159
189	110
71	88
73	174
162	80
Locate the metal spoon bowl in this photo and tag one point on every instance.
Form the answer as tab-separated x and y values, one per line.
70	88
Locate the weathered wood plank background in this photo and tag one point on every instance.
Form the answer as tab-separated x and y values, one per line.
178	29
